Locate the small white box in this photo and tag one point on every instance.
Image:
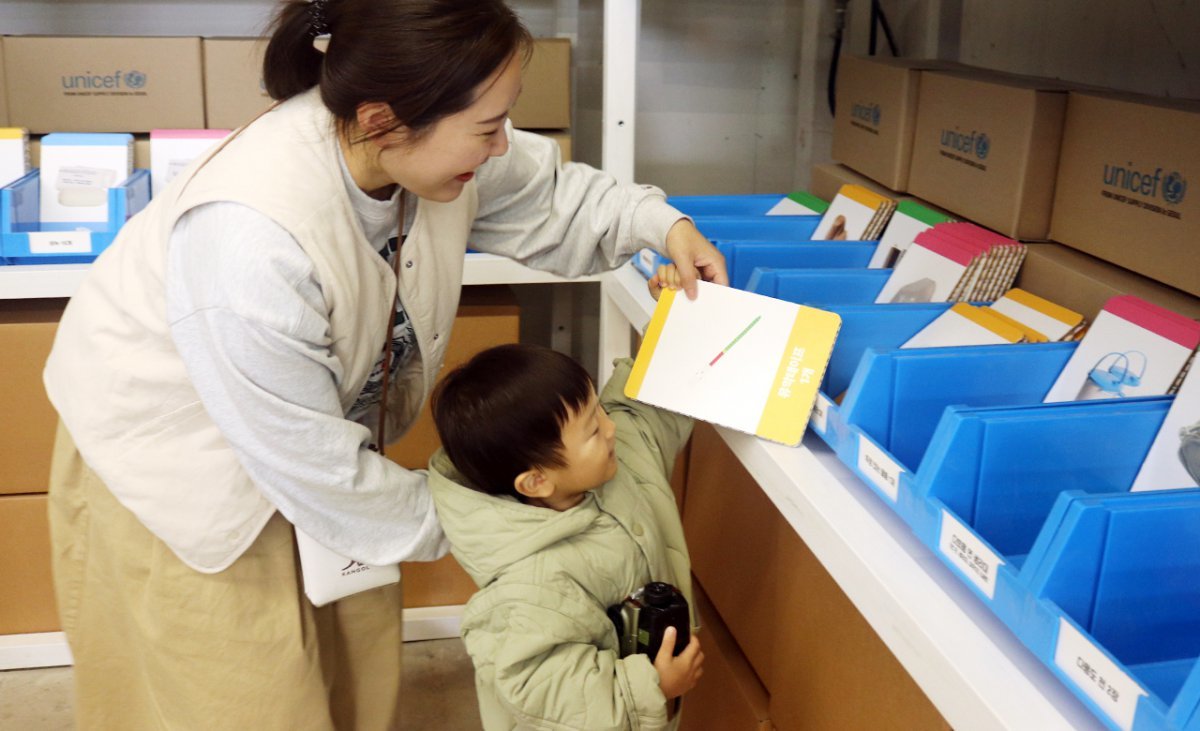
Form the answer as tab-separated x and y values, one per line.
14	154
172	150
77	171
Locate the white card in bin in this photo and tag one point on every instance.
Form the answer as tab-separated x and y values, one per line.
968	554
1113	691
879	468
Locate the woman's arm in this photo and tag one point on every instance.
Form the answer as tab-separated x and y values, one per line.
529	204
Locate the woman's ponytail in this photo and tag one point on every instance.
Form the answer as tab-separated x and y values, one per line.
292	65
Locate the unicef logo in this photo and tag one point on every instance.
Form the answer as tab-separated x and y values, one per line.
876	113
1174	187
982	146
135	79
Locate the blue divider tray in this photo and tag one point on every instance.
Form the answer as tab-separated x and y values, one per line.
882	327
1116	581
743	257
22	240
897	398
756	204
758	228
991	475
820	287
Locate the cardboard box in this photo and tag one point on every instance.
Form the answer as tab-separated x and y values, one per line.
1084	283
729	695
832	671
94	84
876	115
3	86
732	529
27	330
563	138
28	604
827	178
1122	191
986	148
234	92
545	101
487	316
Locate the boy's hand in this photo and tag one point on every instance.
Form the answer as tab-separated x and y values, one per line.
667	277
678	675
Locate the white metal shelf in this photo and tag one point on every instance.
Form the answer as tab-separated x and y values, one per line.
62	280
967	662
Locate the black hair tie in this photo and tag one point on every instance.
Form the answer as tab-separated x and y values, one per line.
318	20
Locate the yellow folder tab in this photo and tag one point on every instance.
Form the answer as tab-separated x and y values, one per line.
12	133
862	195
1031	335
799	375
990	320
1044	306
637	375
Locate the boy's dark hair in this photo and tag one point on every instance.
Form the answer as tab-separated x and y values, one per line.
502	413
424	58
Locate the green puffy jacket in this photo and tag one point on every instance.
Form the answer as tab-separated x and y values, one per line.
545	652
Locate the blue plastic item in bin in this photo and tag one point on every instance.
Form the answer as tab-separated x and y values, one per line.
820	287
758	228
897	398
757	204
1117	581
990	477
22	240
743	257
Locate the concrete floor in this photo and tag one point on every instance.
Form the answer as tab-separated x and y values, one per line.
438	684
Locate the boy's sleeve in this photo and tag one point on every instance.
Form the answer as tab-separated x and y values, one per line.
664	431
550	674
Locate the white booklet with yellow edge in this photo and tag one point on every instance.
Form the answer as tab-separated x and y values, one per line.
736	359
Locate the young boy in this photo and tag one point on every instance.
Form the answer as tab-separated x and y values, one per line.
556	502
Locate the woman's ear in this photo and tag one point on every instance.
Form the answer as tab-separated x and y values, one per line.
376	121
533	484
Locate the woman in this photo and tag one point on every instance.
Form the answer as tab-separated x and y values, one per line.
222	375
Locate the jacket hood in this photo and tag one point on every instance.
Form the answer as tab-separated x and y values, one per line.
489	533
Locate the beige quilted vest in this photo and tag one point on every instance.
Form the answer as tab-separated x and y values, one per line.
121	388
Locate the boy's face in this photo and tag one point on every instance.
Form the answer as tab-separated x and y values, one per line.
589	438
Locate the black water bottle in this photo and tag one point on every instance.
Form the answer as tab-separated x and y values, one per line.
662	606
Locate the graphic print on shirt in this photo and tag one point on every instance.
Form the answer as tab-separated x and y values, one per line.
404	344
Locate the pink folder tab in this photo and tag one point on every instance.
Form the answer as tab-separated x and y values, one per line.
1158	320
942	245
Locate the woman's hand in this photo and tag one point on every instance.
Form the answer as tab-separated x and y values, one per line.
695	257
678	675
667	277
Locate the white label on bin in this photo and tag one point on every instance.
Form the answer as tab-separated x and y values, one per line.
1099	678
879	468
969	554
820	413
60	242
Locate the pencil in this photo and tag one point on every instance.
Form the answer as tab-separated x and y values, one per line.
733	342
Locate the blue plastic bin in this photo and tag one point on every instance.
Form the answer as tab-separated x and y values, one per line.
743	257
22	240
756	204
820	287
758	228
897	398
882	327
990	477
1117	581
